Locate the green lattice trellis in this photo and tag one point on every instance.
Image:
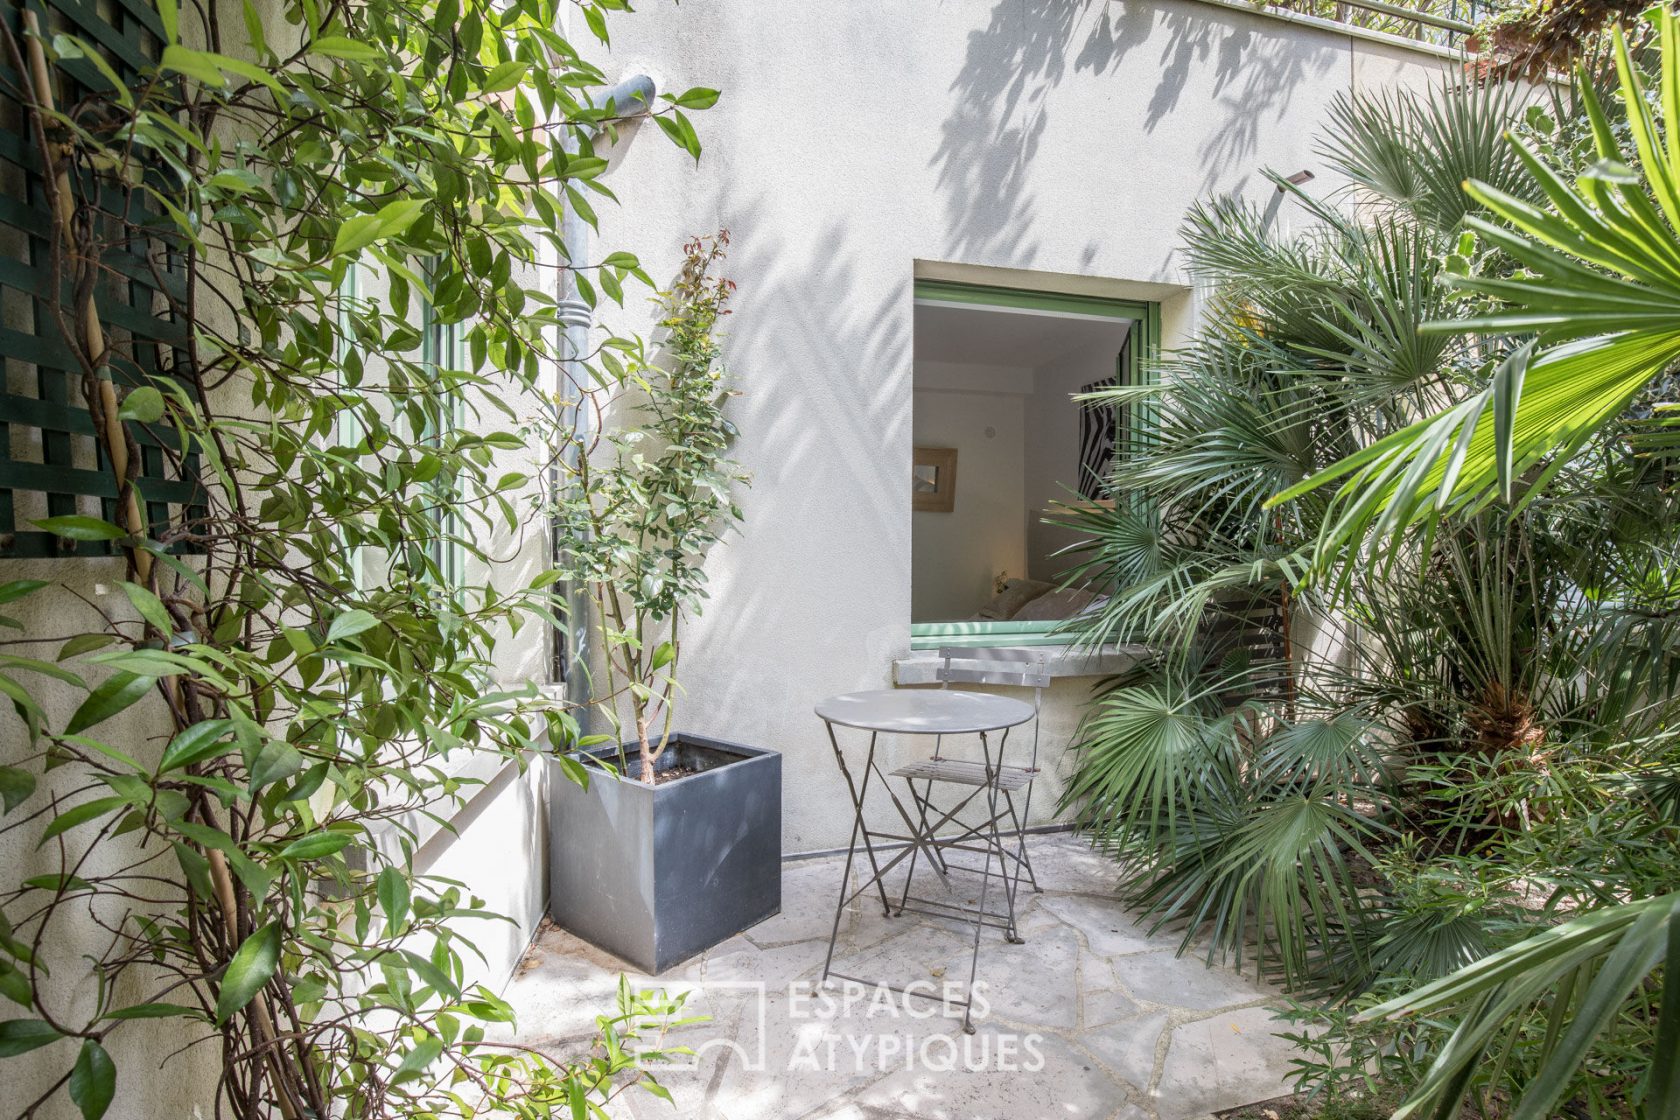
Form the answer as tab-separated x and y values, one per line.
50	463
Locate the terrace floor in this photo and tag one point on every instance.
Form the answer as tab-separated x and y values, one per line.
1088	1018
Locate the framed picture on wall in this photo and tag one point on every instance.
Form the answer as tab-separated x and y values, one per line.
933	485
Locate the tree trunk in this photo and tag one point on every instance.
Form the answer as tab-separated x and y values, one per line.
646	747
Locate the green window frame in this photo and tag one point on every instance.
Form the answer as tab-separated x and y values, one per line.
1143	346
443	347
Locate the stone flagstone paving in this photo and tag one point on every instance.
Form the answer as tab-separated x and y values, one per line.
1088	1019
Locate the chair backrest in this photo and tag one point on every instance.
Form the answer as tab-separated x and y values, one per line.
1023	668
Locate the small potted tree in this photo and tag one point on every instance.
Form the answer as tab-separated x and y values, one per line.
662	842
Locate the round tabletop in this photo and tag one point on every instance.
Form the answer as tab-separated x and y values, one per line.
924	711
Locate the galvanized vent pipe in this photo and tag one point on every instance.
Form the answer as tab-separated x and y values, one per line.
633	97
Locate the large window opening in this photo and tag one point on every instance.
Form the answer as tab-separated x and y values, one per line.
999	437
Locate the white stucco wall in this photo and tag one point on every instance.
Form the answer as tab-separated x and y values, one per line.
856	145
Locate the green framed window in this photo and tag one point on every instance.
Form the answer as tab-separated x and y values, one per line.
442	347
1135	365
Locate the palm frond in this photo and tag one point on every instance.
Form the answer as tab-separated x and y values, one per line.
1414	149
1585	970
1602	297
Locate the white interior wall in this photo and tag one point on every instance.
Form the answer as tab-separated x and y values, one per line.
1052	460
980	411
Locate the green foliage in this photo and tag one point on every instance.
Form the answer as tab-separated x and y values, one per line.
1368	760
644	502
1598	287
303	666
1581	975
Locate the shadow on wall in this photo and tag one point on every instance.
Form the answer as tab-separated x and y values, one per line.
825	420
1001	100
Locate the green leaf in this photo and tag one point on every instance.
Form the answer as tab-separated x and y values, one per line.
76	527
93	1082
506	76
149	607
196	743
338	46
393	892
45	668
84	643
350	623
68	46
15	986
396	217
364	229
663	655
697	98
434	976
201	66
155	1011
154	663
114	694
252	966
15	786
681	131
19	1036
277	760
24	704
356	233
597	23
144	404
254	29
58	882
316	845
416	1061
18	588
82	814
169	16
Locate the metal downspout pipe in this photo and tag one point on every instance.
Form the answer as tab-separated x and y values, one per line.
571	651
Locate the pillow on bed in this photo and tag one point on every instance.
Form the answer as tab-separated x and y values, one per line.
1054	606
1016	594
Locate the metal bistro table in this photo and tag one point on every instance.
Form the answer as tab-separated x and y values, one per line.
922	712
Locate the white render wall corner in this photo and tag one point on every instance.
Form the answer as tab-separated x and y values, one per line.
858	146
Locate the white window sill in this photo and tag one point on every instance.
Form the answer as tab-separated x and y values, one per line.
922	666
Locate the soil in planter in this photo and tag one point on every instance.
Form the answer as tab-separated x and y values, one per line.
672	773
682	759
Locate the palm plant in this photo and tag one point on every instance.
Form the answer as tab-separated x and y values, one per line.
1353	792
1599	291
1579	975
1603	296
1244	797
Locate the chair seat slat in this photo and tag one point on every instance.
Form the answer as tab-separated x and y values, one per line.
966	773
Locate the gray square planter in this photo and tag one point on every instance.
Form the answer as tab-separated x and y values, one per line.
655	874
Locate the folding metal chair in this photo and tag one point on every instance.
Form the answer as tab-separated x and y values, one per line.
1003	833
936	712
